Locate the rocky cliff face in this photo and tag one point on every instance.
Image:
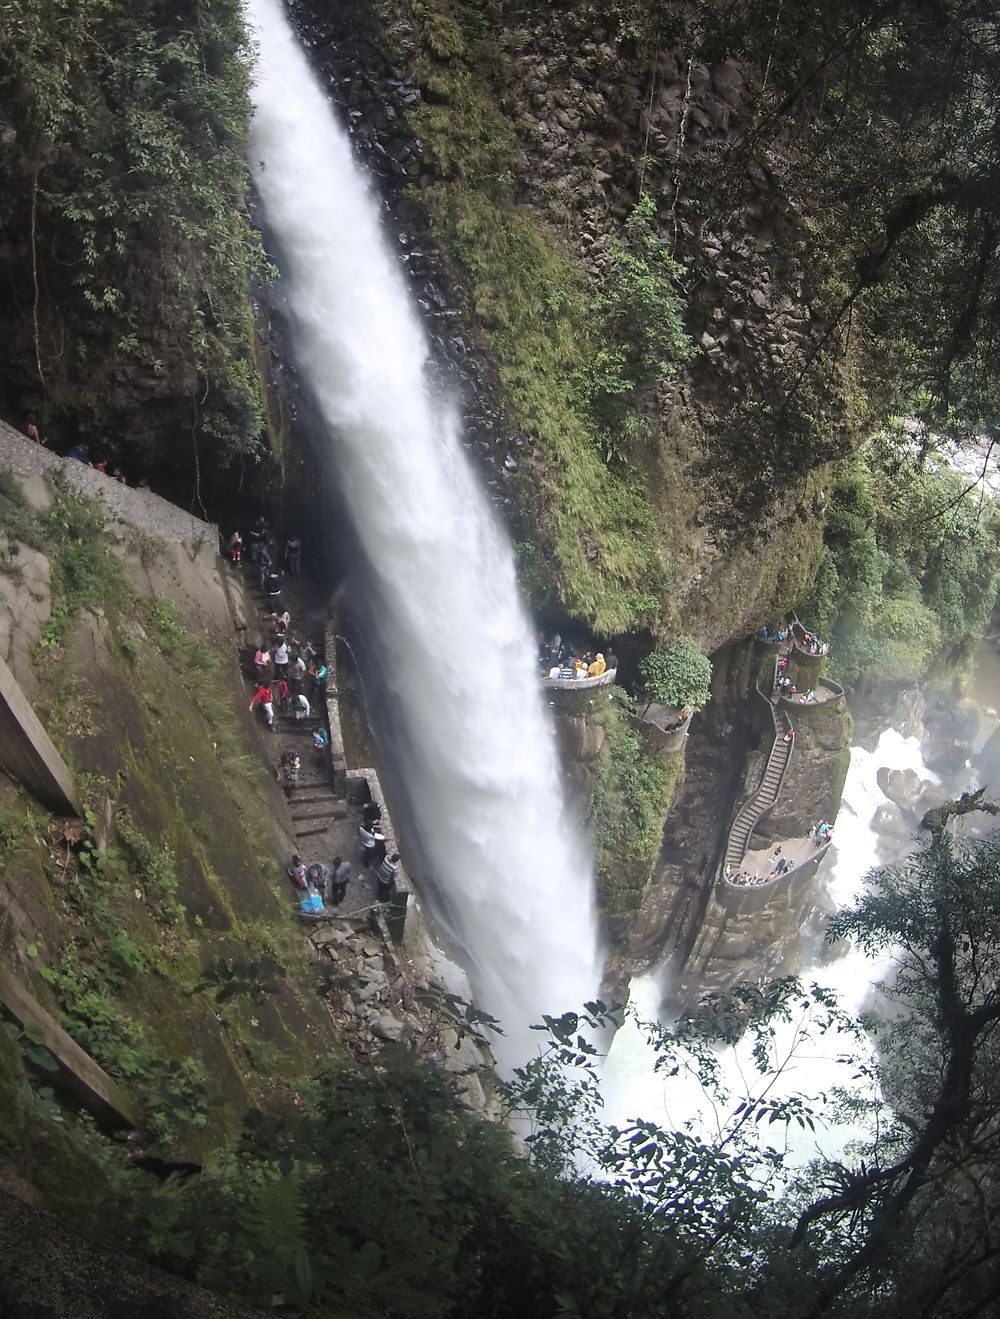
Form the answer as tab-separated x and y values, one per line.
499	142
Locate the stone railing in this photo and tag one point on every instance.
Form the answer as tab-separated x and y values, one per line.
604	679
799	646
664	727
766	794
828	692
360	786
749	898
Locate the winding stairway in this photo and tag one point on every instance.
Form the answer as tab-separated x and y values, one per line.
766	794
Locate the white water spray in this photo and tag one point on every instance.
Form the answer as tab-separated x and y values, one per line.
477	750
633	1089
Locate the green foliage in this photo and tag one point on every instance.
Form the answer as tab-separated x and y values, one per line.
909	571
249	977
640	314
678	675
86	574
635	787
154	869
570	362
130	124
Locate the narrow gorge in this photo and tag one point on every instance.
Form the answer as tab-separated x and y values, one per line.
498	588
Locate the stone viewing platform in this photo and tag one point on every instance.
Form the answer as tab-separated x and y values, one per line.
767	888
825	692
580	684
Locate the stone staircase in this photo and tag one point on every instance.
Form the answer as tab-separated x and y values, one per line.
766	794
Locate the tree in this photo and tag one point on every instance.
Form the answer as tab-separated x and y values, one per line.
922	1206
679	675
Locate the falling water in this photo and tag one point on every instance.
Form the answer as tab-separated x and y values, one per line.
477	751
633	1088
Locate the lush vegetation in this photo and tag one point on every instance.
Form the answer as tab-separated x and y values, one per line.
573	360
677	674
909	570
129	256
635	788
380	1196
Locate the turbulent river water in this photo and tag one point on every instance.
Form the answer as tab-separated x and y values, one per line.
508	867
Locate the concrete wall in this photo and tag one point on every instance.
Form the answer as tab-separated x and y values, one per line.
27	753
140	508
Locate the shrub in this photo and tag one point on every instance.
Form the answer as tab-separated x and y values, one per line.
678	675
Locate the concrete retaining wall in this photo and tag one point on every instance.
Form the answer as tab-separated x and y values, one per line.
360	785
27	753
140	508
580	684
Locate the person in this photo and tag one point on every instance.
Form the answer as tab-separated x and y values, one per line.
293	556
280	623
318	675
79	453
262	662
31	430
273	587
297	873
579	668
235	549
265	696
300	707
568	669
611	661
339	880
372	813
598	666
288	772
281	692
281	659
790	735
255	539
555	671
297	674
379	850
321	740
263	565
318	876
366	836
387	872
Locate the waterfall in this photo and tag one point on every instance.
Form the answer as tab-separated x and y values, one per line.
471	736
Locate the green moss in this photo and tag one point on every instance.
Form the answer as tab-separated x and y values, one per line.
530	306
636	789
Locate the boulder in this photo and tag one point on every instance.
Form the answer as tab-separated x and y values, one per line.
387	1027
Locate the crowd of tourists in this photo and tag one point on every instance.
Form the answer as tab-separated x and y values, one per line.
82	453
821	833
291	676
810	643
319	886
564	660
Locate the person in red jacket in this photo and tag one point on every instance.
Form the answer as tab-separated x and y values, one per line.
265	696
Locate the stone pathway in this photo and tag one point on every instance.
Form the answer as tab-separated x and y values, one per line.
325	824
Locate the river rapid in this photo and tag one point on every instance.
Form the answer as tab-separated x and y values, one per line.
946	748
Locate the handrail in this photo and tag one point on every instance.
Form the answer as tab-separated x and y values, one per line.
578	684
761	800
788	874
